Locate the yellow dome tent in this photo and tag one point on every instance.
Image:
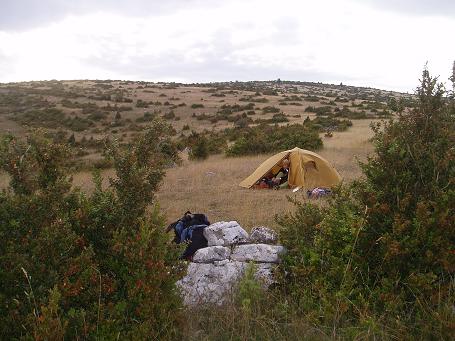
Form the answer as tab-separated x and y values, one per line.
307	170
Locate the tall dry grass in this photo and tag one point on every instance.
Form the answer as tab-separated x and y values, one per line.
211	186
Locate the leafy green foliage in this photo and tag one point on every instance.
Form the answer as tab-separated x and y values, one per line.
201	145
51	117
381	253
264	139
80	266
410	191
324	110
200	149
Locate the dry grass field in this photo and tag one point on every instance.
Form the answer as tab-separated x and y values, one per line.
87	109
211	186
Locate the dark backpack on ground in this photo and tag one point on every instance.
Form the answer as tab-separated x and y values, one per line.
190	229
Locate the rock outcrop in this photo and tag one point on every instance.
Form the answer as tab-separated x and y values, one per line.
215	270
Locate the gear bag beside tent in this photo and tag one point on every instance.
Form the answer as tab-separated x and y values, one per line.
307	170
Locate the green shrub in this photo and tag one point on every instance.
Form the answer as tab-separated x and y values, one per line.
78	123
199	149
147	117
320	123
270	109
379	258
410	181
203	144
265	138
197	105
312	98
325	110
80	266
169	115
279	118
270	93
348	113
142	104
242	122
49	117
97	116
252	99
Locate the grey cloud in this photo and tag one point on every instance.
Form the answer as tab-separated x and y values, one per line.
444	8
219	61
286	29
217	66
18	15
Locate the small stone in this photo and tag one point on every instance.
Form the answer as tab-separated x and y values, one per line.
263	235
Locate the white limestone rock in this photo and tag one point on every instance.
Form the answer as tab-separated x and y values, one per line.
262	253
215	283
211	254
207	283
263	235
225	234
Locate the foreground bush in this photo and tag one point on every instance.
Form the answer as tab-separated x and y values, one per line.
380	258
79	266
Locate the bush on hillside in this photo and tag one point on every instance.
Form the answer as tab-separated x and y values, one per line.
200	148
270	109
78	266
265	138
324	110
202	145
49	117
379	259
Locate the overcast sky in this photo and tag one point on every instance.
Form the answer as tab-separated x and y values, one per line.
377	43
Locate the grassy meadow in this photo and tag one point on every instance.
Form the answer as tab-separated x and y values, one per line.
211	186
89	111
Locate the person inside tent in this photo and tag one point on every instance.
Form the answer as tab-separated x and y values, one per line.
280	180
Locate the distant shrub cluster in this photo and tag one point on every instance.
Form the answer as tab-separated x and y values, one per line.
51	117
201	145
146	117
324	110
270	109
265	138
